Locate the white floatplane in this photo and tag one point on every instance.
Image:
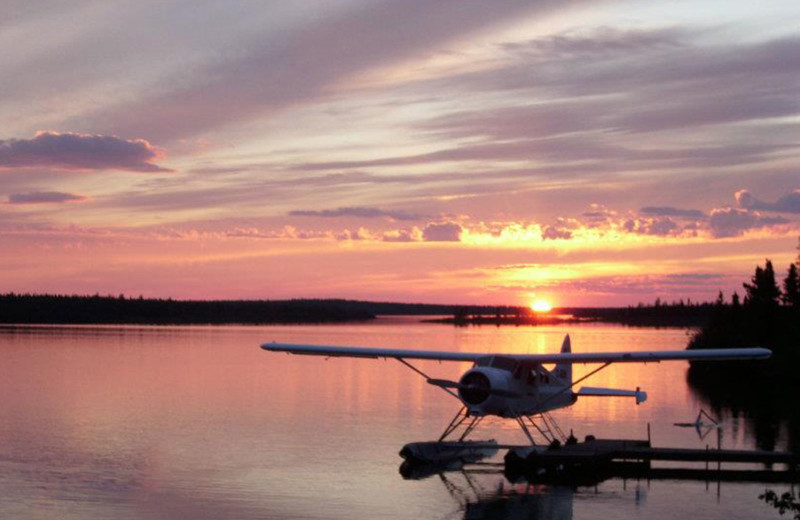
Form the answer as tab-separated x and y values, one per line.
518	386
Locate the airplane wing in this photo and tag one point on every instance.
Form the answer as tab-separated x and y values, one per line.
653	356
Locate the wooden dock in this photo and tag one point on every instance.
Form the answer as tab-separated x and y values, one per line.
606	458
641	450
595	460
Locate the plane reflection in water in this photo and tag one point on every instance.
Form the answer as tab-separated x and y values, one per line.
487	496
498	499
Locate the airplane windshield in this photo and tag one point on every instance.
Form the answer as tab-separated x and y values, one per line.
503	363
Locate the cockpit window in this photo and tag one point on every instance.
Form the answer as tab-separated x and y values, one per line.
503	363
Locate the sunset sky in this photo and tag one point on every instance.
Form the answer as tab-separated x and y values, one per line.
454	151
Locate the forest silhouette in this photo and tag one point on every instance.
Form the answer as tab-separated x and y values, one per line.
764	391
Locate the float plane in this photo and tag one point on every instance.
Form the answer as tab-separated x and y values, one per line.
518	386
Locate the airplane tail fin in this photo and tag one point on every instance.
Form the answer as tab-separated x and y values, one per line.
564	370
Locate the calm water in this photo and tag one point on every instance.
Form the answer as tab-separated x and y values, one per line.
198	422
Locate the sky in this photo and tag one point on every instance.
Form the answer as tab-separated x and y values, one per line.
447	151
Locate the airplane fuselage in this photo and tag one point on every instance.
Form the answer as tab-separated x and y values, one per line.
508	388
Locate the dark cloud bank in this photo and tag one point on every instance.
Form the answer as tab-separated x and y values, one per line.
44	197
788	203
72	151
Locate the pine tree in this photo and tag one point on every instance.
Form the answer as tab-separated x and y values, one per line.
791	288
763	291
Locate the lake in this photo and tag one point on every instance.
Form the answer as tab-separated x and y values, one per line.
199	422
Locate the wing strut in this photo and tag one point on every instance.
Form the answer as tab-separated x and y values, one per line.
428	379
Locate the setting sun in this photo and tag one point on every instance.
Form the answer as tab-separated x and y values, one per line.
541	306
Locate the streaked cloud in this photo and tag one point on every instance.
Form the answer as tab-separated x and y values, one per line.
44	197
357	211
288	67
72	151
669	211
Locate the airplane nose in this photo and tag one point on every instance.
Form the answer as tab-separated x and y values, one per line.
474	388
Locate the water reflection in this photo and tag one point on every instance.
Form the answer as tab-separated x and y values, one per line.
481	491
751	409
496	499
198	422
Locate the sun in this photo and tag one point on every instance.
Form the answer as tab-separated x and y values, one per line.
541	306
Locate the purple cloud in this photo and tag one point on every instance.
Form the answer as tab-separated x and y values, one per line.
789	203
72	151
658	226
669	211
445	232
44	197
356	211
555	233
731	222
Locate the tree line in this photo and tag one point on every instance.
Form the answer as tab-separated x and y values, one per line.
764	390
768	316
96	309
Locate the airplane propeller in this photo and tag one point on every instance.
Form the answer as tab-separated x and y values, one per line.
444	383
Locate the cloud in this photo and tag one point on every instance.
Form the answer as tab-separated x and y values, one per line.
731	222
445	232
356	211
72	151
675	286
555	233
588	92
659	226
788	203
669	211
41	197
403	235
306	60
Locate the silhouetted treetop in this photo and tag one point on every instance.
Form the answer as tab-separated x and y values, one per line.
763	290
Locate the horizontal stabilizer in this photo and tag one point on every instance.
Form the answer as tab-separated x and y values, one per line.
587	391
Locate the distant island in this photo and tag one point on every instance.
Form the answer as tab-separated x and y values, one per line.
658	314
